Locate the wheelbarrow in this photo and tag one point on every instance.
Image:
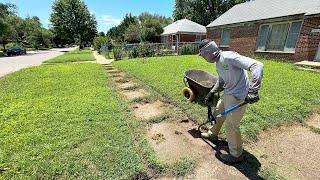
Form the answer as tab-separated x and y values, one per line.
198	84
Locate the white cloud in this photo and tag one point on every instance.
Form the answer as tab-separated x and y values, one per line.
109	20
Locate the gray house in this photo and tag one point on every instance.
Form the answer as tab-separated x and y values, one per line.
287	29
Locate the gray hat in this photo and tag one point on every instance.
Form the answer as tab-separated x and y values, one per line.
209	51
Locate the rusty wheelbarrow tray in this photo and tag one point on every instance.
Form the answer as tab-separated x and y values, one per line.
198	84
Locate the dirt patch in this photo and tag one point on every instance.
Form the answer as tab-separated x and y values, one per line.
109	67
113	71
149	110
180	139
292	151
126	85
121	74
314	120
134	94
118	79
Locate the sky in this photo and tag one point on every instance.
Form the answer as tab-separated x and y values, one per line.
108	13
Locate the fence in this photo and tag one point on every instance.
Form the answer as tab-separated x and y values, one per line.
151	49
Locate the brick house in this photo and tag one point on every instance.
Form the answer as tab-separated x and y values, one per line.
183	30
275	28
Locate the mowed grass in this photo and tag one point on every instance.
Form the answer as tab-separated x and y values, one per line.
73	56
287	94
63	121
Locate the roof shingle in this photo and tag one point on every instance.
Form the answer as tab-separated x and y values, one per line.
266	9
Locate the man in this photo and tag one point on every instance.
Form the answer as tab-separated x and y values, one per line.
237	88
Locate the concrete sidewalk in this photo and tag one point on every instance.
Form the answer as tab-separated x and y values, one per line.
102	60
311	64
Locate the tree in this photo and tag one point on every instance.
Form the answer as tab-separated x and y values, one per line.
100	41
145	27
101	34
118	33
202	11
72	18
152	25
6	30
132	33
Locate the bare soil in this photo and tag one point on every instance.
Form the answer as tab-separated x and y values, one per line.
117	78
113	71
314	120
149	110
126	85
121	74
134	94
181	140
293	151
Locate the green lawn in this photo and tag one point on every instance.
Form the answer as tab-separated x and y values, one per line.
73	56
287	94
63	122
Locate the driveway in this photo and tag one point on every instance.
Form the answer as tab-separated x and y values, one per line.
33	58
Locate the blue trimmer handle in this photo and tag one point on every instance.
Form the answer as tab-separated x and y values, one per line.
233	108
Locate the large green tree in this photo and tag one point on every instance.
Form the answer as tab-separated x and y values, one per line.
202	11
6	30
145	27
152	26
117	33
71	19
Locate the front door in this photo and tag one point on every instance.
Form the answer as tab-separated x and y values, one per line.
317	58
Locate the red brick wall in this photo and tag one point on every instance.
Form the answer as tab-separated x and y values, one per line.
187	37
308	42
244	38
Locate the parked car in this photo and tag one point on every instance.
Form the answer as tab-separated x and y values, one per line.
16	51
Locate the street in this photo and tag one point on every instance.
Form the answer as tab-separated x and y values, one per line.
32	58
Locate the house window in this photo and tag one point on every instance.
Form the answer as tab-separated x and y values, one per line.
278	37
225	37
293	36
262	38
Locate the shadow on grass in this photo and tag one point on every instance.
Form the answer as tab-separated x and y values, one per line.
249	167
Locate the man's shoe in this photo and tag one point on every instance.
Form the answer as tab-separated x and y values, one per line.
208	135
229	159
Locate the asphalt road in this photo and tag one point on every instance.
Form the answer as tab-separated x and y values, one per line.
32	58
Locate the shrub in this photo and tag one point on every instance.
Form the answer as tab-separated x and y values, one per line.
100	41
134	53
146	50
189	49
118	53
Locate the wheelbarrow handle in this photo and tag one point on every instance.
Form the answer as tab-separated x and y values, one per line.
185	81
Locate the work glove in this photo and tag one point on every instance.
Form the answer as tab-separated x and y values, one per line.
252	96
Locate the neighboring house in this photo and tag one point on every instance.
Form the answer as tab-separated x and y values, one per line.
287	29
183	30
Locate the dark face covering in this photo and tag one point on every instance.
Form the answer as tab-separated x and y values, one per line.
210	52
